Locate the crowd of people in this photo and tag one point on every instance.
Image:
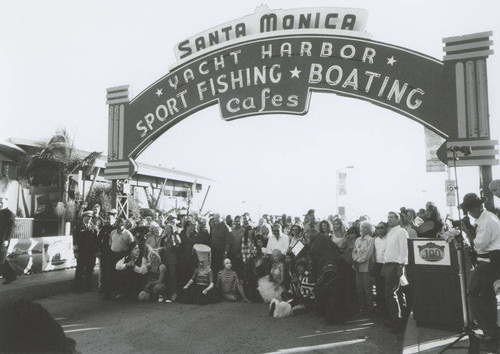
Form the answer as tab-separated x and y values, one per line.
296	264
304	262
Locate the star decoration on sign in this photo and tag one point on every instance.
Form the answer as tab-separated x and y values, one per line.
391	61
159	92
295	73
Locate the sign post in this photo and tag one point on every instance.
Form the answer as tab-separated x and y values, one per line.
450	193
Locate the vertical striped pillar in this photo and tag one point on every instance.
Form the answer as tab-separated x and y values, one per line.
468	54
116	97
118	164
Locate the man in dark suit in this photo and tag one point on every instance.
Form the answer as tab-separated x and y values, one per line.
85	247
7	220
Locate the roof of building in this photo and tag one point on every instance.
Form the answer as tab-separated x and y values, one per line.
169	173
17	147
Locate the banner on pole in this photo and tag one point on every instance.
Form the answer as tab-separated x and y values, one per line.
449	187
432	144
342	183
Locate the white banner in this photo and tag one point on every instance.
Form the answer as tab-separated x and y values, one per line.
432	144
34	255
342	176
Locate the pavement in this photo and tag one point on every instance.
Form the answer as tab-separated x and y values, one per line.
38	285
47	284
431	340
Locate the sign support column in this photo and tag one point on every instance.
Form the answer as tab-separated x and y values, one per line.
466	56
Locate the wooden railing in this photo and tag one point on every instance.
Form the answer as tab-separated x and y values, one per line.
30	227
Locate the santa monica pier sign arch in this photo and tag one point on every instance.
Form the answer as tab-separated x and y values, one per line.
271	62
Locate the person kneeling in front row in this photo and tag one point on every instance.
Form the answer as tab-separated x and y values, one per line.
155	286
229	284
131	270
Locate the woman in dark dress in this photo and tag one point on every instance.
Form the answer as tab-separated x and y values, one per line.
187	261
169	254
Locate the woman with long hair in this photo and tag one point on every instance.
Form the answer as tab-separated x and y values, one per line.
130	272
325	228
433	224
296	236
339	231
272	285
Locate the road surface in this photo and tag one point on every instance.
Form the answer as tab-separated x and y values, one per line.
131	327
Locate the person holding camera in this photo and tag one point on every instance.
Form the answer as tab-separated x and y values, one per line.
486	244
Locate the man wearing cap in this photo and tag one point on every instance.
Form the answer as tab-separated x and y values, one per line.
480	288
85	247
7	221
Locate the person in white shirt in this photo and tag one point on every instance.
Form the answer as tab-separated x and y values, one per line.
380	244
278	240
395	257
482	297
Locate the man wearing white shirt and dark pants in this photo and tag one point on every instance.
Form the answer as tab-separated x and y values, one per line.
481	292
395	257
278	240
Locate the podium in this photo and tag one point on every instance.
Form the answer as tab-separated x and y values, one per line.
435	284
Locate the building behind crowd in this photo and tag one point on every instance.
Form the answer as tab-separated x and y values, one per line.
35	205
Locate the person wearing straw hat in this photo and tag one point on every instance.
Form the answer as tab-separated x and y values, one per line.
199	289
7	222
480	288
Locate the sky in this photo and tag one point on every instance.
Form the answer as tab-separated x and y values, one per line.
58	57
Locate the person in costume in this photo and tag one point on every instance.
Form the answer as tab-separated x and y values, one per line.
328	269
272	285
229	284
